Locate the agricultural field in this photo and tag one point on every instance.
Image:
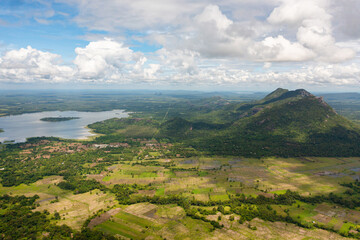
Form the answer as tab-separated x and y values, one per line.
217	176
211	183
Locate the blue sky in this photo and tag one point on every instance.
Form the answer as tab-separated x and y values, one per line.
21	27
180	44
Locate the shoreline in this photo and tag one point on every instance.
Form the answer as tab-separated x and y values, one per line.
40	111
89	138
92	134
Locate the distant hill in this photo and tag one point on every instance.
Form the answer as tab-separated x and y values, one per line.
284	123
341	96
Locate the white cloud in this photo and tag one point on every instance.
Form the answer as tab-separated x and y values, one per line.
112	15
214	35
346	18
292	12
314	28
299	30
214	16
165	68
149	72
183	61
32	65
106	59
205	42
280	49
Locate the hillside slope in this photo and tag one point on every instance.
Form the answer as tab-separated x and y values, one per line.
284	123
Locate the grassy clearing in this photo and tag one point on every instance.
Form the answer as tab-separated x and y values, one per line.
171	211
160	192
45	188
137	131
124	172
124	216
345	227
147	175
121	229
219	197
203	173
154	154
202	190
305	212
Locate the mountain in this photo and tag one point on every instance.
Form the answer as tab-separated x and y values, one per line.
284	123
275	94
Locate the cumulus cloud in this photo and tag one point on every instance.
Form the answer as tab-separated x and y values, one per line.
31	65
346	18
314	28
202	42
279	49
98	64
294	12
149	73
214	35
109	61
213	15
254	30
104	59
182	61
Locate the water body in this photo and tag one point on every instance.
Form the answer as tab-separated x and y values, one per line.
20	127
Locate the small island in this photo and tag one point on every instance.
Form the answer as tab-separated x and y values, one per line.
58	119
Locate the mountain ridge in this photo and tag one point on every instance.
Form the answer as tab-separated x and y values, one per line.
284	123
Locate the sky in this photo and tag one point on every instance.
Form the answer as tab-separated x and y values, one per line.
210	45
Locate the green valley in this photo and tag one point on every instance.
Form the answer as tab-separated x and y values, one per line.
190	166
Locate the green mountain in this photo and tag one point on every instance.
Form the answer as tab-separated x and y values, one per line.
284	123
275	94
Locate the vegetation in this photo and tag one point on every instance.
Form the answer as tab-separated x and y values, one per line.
80	185
284	123
18	221
185	165
58	119
28	171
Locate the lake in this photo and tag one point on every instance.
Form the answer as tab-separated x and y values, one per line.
20	127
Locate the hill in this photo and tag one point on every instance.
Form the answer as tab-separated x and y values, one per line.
284	123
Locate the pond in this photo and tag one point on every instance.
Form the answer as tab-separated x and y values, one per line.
19	127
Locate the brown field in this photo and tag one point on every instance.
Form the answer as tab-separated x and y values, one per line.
75	209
